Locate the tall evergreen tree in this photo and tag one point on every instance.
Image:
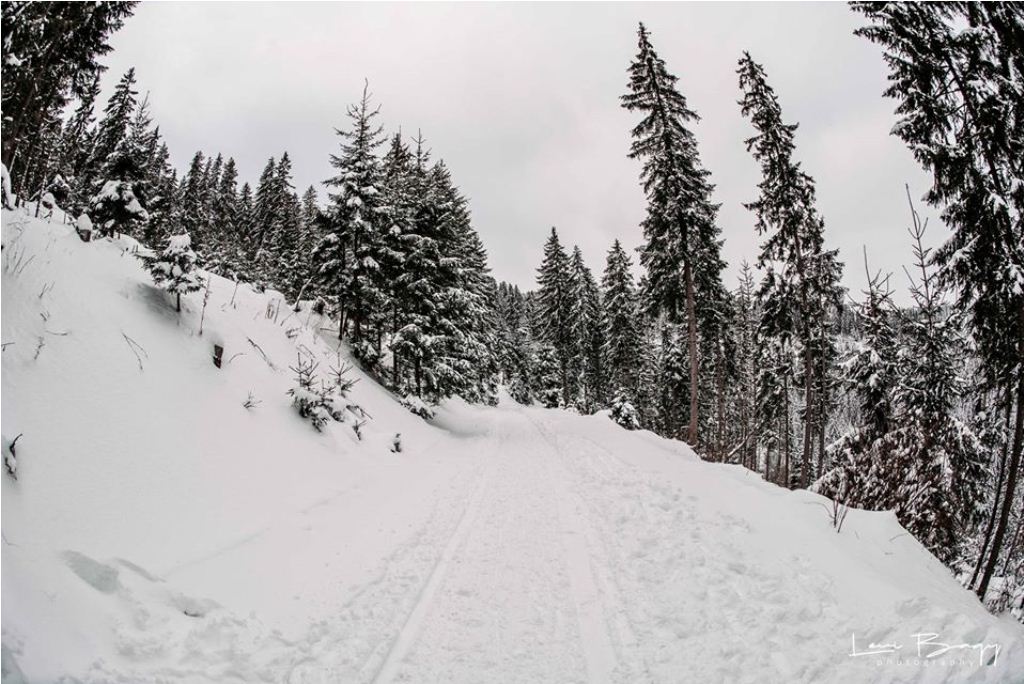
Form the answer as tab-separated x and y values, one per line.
682	244
801	284
554	307
622	334
50	52
957	71
347	252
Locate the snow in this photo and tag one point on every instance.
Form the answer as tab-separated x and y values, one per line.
160	531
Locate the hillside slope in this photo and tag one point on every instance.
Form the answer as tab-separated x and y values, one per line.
160	531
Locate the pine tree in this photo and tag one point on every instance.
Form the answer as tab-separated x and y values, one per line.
747	317
263	217
111	132
194	216
956	70
622	333
51	52
174	268
555	309
76	144
587	322
162	195
802	283
938	454
682	244
347	252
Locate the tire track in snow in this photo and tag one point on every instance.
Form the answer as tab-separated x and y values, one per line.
411	626
607	637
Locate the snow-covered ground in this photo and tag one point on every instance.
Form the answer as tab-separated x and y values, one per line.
160	531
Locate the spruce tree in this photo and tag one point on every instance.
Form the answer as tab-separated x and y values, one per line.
801	285
111	131
51	52
76	144
194	216
622	333
554	308
346	253
956	71
682	244
174	268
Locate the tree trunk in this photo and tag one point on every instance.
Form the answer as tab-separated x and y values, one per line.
1011	486
691	332
720	447
995	502
179	302
805	464
821	433
785	434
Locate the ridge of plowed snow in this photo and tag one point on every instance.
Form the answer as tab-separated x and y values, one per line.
160	531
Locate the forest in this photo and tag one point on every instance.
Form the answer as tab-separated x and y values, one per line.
916	409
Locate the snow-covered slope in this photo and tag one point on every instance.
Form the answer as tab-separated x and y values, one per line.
160	531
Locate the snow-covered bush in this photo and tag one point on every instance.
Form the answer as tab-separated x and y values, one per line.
312	401
321	401
174	268
116	207
417	406
624	413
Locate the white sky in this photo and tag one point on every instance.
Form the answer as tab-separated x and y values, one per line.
521	100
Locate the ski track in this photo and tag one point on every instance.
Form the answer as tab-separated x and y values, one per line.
550	559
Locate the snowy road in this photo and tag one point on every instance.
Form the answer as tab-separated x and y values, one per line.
560	558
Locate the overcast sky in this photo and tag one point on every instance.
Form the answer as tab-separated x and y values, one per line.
521	100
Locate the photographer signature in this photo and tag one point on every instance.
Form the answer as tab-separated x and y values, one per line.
928	646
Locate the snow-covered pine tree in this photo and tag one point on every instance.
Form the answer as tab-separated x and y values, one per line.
554	310
586	319
682	244
120	203
869	373
162	195
263	203
76	145
280	258
51	52
346	254
192	192
309	237
622	331
548	383
938	456
226	249
802	285
111	131
623	412
745	340
246	235
399	198
956	70
174	268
